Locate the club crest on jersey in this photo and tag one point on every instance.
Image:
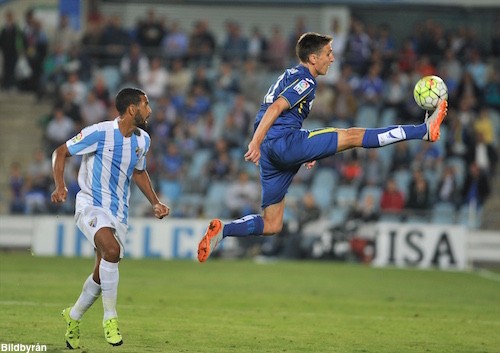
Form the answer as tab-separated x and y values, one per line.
138	152
301	86
93	222
77	138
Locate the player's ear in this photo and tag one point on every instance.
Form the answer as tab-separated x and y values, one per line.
132	109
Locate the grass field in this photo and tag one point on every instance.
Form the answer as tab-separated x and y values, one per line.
242	306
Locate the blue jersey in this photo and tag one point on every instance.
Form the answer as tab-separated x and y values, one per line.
298	87
108	162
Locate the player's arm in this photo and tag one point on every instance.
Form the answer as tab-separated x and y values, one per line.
58	162
272	113
143	181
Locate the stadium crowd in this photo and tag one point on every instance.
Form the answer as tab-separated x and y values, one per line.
205	93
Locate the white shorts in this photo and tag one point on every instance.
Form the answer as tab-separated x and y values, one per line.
90	219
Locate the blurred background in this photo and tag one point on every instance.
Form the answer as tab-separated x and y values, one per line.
205	66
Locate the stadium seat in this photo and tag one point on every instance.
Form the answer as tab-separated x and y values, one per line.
366	117
170	189
326	178
198	163
443	213
388	117
346	196
323	197
213	205
338	216
469	217
402	178
111	75
296	192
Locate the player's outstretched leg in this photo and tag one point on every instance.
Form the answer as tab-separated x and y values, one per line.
212	237
72	335
112	332
434	121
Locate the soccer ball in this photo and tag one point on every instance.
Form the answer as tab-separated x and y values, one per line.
428	91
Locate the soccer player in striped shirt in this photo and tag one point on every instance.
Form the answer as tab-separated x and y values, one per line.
113	154
280	146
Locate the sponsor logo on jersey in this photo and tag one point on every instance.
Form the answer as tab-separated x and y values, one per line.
310	80
301	86
138	152
77	138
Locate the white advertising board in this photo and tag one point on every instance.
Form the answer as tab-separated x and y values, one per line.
420	245
147	238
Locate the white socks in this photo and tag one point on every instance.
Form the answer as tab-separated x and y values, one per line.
109	275
90	292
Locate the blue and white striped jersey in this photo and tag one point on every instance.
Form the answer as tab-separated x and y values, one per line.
108	162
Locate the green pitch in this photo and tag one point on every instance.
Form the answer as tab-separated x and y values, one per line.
242	306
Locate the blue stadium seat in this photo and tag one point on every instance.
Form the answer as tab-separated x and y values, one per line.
346	196
460	167
112	77
443	213
198	163
213	205
388	117
402	178
171	189
367	117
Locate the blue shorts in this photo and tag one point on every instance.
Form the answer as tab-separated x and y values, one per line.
281	158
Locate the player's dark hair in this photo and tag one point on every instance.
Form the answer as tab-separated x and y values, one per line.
310	43
126	97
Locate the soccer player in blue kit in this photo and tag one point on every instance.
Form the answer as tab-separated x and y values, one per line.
113	154
280	146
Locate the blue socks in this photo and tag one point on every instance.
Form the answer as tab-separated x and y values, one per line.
374	138
248	225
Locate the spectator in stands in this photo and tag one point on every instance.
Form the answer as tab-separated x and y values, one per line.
115	41
257	46
476	187
93	110
374	170
366	210
195	105
150	31
308	210
427	157
277	52
101	90
392	199
227	84
241	198
11	46
175	43
221	166
133	65
395	92
155	79
38	183
65	35
202	44
401	158
35	51
59	129
351	171
17	203
358	50
492	89
483	154
180	77
323	103
448	189
468	91
371	87
235	45
74	87
418	193
171	163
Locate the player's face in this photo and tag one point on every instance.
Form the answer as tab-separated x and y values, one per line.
143	112
324	59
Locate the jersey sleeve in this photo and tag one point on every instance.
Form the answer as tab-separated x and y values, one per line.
141	163
85	141
299	89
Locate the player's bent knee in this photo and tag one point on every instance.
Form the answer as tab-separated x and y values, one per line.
111	253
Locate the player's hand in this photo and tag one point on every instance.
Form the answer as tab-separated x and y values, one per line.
59	194
253	153
161	210
310	164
